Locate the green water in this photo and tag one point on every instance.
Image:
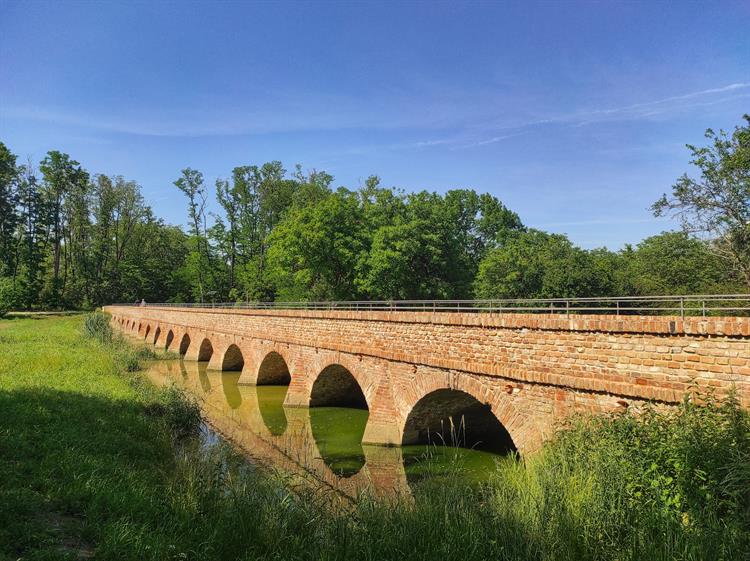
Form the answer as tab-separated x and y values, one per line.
271	407
297	439
338	433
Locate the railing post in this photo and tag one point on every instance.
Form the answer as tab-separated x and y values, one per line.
682	308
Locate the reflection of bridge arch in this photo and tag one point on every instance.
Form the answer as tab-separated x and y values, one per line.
294	450
231	389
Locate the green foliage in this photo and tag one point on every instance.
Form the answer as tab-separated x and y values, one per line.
313	254
8	296
182	412
717	203
534	264
96	326
674	263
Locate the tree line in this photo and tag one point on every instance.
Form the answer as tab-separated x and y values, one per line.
69	239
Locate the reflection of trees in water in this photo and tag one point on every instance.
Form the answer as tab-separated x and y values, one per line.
338	434
231	390
271	407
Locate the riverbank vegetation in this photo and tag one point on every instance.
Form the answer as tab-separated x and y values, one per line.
70	239
96	462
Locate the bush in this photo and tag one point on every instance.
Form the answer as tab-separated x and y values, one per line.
182	412
8	297
96	326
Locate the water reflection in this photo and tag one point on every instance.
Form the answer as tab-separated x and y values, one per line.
231	389
320	446
338	433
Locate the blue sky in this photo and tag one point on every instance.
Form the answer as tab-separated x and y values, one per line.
574	114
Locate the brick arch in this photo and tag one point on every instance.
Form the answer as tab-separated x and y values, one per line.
336	385
147	331
456	418
205	350
273	370
157	334
511	411
232	359
169	338
308	363
184	344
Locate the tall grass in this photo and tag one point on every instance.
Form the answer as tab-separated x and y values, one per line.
180	411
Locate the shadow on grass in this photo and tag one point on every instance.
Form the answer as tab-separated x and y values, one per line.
71	464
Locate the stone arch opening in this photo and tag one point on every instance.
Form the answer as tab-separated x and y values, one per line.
273	371
335	386
456	418
157	334
148	330
170	338
233	360
205	351
184	344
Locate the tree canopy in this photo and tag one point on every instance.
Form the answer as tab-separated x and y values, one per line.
71	239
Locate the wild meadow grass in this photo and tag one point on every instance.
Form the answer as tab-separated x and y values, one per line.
97	462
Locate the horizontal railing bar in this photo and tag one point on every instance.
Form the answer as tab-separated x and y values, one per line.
692	304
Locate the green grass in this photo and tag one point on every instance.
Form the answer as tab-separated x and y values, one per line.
94	462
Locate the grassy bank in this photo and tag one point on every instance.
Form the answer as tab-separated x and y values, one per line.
95	463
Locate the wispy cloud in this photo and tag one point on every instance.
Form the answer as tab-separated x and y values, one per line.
598	222
642	110
463	121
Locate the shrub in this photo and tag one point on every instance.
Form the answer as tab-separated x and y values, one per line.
96	326
7	296
182	412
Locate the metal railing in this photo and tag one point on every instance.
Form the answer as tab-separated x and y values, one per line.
686	305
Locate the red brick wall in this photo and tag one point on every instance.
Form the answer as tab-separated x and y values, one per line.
532	369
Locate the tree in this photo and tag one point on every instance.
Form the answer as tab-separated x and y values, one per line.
191	184
8	216
313	253
65	184
675	263
717	204
534	264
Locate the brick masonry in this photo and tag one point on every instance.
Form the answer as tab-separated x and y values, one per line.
531	369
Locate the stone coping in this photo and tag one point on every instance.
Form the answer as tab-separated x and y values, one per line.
607	323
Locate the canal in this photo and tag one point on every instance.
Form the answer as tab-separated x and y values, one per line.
321	446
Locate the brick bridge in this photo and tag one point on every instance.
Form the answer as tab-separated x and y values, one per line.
503	379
